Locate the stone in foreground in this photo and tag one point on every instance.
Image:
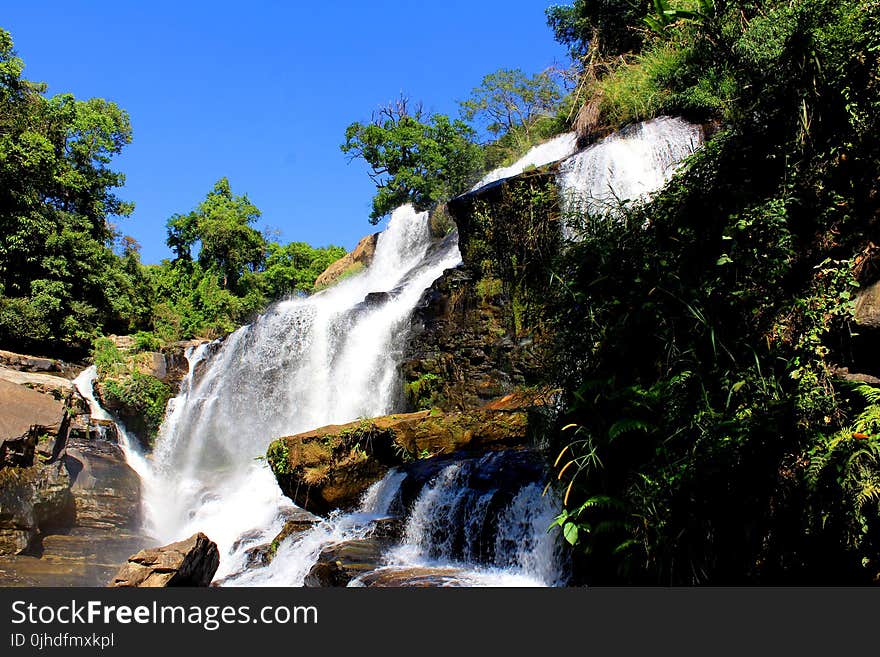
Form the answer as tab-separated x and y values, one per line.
331	467
192	562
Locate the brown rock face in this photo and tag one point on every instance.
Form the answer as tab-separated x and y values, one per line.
867	307
192	562
32	499
24	413
361	257
332	467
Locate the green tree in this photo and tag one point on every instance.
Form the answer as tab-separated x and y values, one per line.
222	225
510	102
293	267
60	282
411	160
611	27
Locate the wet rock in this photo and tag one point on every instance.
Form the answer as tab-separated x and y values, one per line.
332	467
338	564
32	499
105	490
463	348
77	557
191	562
358	259
415	577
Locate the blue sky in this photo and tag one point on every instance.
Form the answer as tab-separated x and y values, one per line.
261	92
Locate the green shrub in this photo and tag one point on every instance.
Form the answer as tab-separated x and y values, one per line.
146	341
140	394
106	356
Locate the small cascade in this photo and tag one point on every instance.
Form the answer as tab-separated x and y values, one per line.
494	531
558	148
296	556
626	167
134	455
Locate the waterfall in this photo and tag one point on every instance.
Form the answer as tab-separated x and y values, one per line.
134	455
491	535
307	362
625	167
553	150
332	358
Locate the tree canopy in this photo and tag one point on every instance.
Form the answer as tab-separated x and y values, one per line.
59	279
611	27
509	101
414	160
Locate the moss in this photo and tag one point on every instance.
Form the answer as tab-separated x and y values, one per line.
278	457
424	392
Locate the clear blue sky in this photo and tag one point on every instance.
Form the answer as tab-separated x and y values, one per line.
261	91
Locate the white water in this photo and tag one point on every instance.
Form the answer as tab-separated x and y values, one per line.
627	166
134	455
553	150
306	363
447	528
331	358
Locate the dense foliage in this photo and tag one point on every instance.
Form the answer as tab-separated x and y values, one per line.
709	436
414	161
59	280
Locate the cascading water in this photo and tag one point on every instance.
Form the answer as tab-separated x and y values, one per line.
331	358
627	166
555	149
134	455
308	362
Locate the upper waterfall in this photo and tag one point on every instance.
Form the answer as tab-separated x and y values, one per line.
626	166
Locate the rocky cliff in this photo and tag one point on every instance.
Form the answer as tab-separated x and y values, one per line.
69	502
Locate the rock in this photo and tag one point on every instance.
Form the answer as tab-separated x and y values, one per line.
57	387
78	557
105	490
32	499
27	416
414	577
855	377
338	564
333	466
461	351
351	262
192	562
24	363
176	363
867	307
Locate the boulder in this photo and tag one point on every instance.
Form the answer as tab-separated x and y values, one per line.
55	386
24	363
351	262
333	466
340	563
192	562
27	417
414	577
106	491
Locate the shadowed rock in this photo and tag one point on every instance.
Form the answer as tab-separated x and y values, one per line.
192	562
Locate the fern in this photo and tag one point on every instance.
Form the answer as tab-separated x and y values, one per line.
627	425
